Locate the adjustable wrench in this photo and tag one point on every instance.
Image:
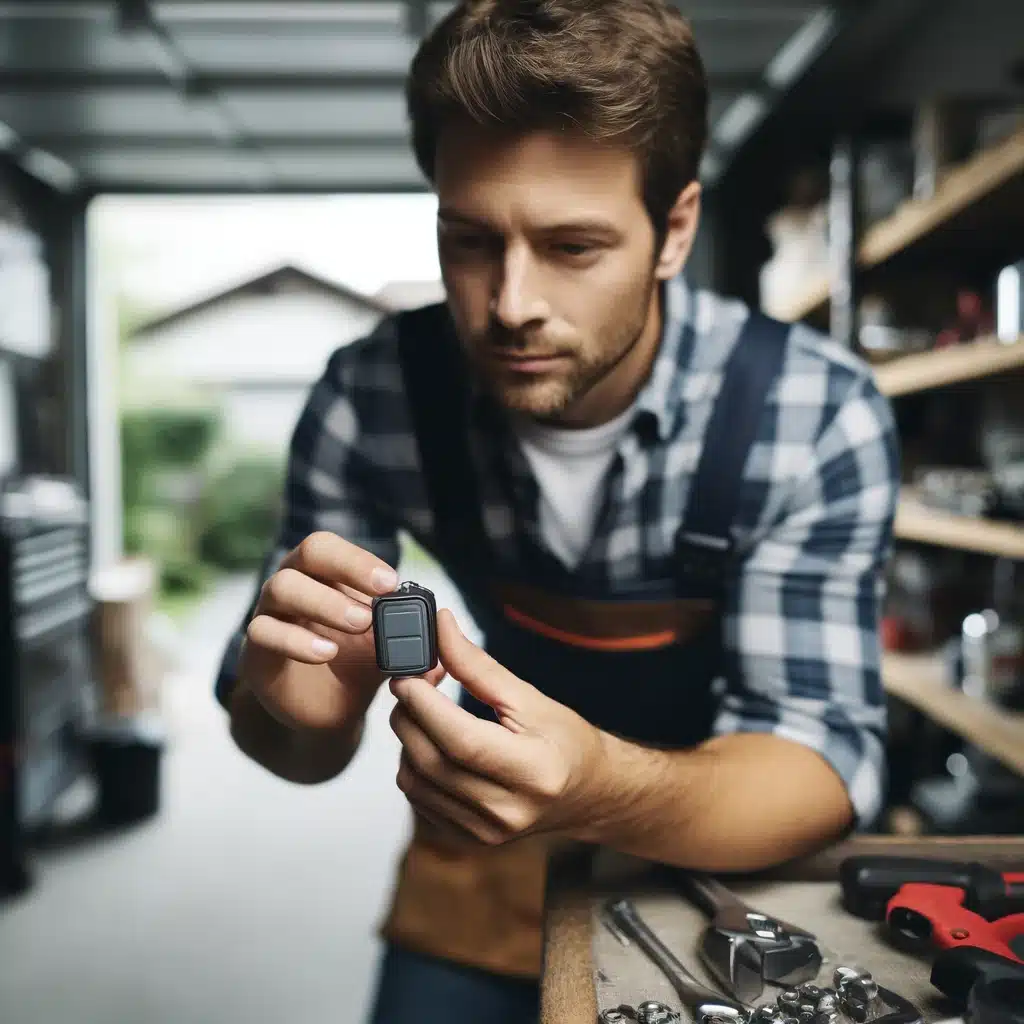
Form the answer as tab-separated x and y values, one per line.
623	916
743	948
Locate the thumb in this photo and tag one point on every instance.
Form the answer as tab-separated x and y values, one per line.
474	669
436	675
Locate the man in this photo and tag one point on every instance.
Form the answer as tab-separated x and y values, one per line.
668	517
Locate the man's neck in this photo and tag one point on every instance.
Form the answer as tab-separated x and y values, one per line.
618	390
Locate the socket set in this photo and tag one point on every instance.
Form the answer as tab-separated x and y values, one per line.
854	998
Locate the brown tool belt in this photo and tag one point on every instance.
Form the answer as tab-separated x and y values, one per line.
481	906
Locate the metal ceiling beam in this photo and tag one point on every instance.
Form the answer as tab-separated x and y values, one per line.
752	107
417	18
37	160
368	186
56	81
136	18
206	10
72	146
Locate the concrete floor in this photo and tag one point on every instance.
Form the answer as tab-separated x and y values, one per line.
245	900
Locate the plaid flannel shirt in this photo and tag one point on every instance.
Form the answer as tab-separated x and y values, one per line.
814	527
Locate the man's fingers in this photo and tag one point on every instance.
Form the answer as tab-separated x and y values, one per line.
311	701
482	747
443	828
290	640
330	557
356	595
474	668
440	807
295	595
431	763
436	675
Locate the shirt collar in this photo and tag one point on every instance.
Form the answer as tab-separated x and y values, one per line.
659	398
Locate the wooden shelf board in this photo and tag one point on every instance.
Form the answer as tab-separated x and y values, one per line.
972	361
963	186
814	298
918	522
919	681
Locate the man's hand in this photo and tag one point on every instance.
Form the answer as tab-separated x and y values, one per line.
315	611
735	803
529	772
308	669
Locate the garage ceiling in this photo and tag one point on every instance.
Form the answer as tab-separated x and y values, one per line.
234	95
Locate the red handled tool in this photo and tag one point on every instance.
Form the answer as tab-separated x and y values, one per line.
936	915
973	914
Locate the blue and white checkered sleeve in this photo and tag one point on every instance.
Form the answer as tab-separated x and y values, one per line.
801	630
326	488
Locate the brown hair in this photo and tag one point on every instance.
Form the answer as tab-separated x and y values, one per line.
619	70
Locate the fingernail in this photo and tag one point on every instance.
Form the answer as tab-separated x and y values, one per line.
324	648
358	616
384	580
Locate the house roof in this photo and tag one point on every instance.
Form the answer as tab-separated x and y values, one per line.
400	295
279	279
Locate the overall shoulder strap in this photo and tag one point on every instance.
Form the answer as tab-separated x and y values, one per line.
436	386
704	541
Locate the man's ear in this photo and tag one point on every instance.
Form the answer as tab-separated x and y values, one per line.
681	229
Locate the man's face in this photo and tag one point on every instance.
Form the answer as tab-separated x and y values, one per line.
548	259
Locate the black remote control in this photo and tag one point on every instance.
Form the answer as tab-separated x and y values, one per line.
405	631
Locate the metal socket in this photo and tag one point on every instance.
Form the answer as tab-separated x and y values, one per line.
716	1014
827	1002
652	1012
789	1001
854	1009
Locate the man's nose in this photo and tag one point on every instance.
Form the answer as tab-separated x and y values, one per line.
518	300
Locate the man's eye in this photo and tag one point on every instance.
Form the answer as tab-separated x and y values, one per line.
575	248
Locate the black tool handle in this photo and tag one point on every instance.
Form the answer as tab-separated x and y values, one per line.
997	1001
710	895
956	971
869	882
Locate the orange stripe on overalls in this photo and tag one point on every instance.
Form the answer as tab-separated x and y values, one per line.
647	642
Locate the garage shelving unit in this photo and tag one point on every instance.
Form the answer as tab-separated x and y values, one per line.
985	197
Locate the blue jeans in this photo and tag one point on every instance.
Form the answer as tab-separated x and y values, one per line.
416	988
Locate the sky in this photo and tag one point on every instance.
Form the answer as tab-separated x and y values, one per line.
170	251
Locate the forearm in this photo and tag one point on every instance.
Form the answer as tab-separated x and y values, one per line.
304	757
740	802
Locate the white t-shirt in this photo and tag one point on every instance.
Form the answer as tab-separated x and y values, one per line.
570	467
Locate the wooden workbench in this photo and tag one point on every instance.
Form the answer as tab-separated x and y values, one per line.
586	968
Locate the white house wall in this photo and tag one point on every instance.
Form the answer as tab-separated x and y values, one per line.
248	339
262	418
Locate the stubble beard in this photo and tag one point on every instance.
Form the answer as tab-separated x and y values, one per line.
550	397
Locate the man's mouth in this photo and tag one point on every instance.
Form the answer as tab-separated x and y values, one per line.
527	362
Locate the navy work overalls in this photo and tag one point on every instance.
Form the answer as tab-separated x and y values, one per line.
639	661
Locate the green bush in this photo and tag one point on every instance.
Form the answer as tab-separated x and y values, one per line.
158	532
239	513
154	439
182	576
